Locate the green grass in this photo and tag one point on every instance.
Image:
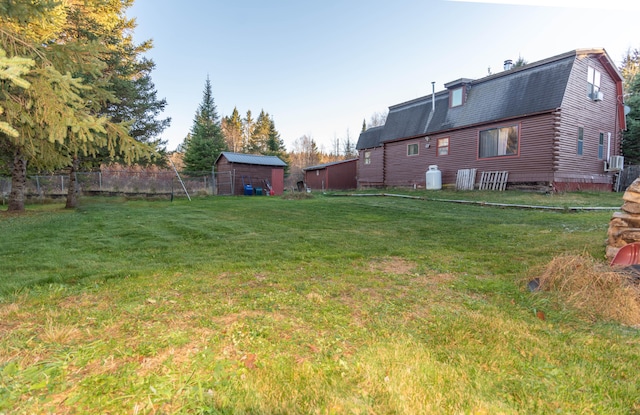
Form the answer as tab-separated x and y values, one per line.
326	305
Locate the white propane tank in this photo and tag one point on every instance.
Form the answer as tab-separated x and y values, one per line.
434	178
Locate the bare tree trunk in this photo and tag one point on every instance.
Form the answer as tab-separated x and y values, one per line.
72	192
18	182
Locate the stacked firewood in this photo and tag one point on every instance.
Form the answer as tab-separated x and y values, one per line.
624	226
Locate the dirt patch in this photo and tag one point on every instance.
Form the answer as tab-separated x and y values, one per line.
392	265
596	289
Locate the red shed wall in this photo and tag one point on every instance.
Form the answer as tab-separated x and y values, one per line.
316	179
252	174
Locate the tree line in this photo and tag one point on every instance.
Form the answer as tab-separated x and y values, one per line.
210	135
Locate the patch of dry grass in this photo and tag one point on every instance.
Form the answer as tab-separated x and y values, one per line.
594	288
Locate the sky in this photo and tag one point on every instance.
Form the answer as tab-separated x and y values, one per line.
320	68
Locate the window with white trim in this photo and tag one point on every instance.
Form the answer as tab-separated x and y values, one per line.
367	157
412	150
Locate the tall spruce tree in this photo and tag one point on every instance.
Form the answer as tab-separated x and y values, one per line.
206	141
260	134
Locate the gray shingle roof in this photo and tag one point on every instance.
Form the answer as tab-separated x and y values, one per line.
370	138
253	159
534	88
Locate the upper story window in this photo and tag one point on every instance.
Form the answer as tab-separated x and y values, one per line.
456	96
593	83
412	150
443	146
367	157
498	142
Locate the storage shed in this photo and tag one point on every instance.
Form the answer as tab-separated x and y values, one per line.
339	175
258	171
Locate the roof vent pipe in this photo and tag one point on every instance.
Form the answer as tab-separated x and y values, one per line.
508	64
433	95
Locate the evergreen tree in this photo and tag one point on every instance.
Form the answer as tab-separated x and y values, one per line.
59	118
630	68
232	130
364	126
260	134
631	137
206	141
247	129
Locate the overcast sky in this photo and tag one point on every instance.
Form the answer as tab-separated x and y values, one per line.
320	67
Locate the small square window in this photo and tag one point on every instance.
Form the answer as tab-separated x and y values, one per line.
412	150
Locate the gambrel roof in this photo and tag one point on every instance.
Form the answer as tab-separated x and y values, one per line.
531	89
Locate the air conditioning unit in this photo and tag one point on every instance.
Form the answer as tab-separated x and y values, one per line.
616	163
598	96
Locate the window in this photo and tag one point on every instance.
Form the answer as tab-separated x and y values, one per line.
498	142
456	97
580	140
412	150
593	82
443	146
367	157
601	147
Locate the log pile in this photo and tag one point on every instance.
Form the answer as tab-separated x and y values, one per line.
624	226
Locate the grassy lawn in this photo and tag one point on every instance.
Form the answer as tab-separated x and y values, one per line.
331	305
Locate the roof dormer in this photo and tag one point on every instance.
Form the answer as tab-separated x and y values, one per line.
458	91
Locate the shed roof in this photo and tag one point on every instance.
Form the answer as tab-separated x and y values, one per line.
325	165
252	159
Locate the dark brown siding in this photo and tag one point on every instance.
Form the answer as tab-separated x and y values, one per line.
595	117
533	164
371	175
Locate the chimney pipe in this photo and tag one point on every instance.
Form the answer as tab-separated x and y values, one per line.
508	64
433	95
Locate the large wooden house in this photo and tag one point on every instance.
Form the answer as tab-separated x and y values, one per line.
556	123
